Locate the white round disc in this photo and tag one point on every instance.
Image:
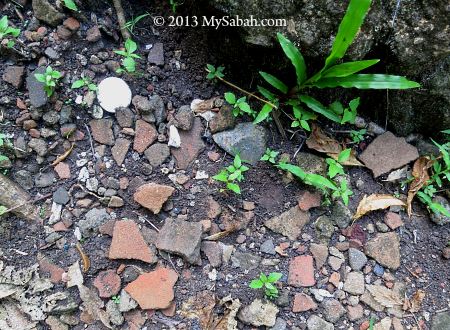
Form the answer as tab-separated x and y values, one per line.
113	93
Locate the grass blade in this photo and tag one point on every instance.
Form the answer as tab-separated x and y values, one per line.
368	81
295	56
346	69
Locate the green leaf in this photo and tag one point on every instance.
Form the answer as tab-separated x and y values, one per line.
295	56
92	87
318	107
319	181
334	169
273	277
263	277
130	46
348	28
245	107
40	77
263	114
367	81
337	107
305	125
270	286
235	175
121	52
295	170
234	188
13	31
129	64
230	98
348	68
77	84
3	23
3	158
71	5
267	94
447	131
3	209
256	284
344	155
237	161
56	74
275	82
354	104
222	176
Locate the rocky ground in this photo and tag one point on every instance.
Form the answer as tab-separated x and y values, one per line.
132	232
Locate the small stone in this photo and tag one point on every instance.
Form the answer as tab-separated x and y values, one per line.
39	146
213	208
102	131
191	145
153	290
259	313
108	283
213	156
55	324
316	323
61	196
320	253
213	252
181	238
44	180
311	163
357	259
14	75
46	12
128	243
303	303
301	272
152	196
157	154
141	103
341	214
368	299
245	261
385	249
437	217
46	266
354	283
112	309
115	202
333	310
72	24
393	220
125	117
378	270
113	93
309	200
355	312
446	252
382	227
335	279
36	92
93	34
145	135
289	223
325	226
441	321
335	262
63	170
157	108
156	54
384	324
268	247
222	120
126	302
119	150
174	137
184	118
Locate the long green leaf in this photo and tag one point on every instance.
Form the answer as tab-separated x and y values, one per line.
275	82
368	81
295	56
263	114
295	170
318	107
350	24
348	68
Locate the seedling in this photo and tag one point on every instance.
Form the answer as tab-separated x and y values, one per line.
270	155
116	299
128	63
131	24
3	210
231	175
70	4
213	72
42	211
335	166
4	143
240	106
84	82
358	136
267	283
50	79
6	30
174	4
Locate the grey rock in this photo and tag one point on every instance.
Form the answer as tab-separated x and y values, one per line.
268	247
92	220
51	53
246	139
325	226
280	324
441	321
130	274
320	253
156	54
213	252
115	316
182	238
184	118
65	115
289	223
20	147
142	104
311	163
245	261
341	214
385	249
316	323
125	117
51	117
45	12
259	313
157	154
333	310
126	302
43	180
61	196
158	108
439	218
357	259
39	146
24	179
354	283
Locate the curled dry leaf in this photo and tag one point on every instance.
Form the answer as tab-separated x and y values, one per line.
384	296
376	202
421	176
60	158
321	142
200	307
219	235
416	301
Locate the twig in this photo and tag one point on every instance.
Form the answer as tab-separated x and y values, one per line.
121	19
412	273
90	140
151	224
27	202
173	266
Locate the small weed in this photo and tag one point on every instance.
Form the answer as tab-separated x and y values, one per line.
371	323
214	72
240	106
3	210
174	5
4	143
42	211
6	30
231	175
358	136
116	299
128	62
84	81
50	79
267	282
270	155
131	24
70	4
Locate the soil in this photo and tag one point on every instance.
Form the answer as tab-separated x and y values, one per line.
422	242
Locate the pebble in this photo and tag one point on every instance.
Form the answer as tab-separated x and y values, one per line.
268	247
252	314
357	259
354	283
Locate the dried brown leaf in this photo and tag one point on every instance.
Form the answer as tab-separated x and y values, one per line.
60	158
227	321
200	307
416	301
384	296
219	235
421	176
376	202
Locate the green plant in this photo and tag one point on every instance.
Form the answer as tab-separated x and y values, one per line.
371	323
358	136
4	143
70	4
240	106
50	78
42	211
131	24
128	62
84	81
267	282
174	4
6	30
214	72
3	210
270	155
232	174
116	299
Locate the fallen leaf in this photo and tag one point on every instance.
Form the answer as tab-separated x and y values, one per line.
416	301
321	142
227	321
421	176
384	296
60	158
199	106
401	173
13	318
219	235
280	250
376	202
200	307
